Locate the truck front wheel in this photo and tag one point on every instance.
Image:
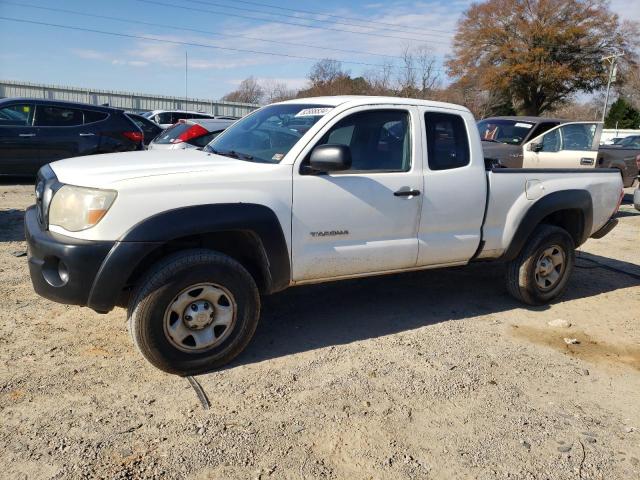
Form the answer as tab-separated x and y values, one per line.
541	271
194	311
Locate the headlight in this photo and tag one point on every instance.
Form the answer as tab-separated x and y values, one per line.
78	208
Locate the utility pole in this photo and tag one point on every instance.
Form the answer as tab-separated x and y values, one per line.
612	60
186	79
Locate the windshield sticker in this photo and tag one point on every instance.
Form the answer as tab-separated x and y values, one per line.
277	157
313	112
523	125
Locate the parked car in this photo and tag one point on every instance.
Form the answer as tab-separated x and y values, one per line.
623	157
36	132
166	118
189	134
149	128
503	137
190	240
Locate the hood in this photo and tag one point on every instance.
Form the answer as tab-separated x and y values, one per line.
108	169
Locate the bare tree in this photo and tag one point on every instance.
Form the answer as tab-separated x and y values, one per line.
407	74
427	71
326	72
277	91
418	74
249	91
380	81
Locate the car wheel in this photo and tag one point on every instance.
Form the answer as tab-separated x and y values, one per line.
541	271
194	311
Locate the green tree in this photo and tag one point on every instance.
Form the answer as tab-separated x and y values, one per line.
622	115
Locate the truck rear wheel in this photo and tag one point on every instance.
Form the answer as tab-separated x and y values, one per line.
194	311
541	271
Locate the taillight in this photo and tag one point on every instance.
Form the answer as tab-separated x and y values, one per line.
638	162
194	132
134	136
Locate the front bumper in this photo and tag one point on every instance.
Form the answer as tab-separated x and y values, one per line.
80	272
62	268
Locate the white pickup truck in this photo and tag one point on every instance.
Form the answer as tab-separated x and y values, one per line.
304	191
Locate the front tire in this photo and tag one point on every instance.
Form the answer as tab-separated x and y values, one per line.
193	312
540	273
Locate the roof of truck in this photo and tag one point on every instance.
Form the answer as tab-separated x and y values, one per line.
523	118
355	100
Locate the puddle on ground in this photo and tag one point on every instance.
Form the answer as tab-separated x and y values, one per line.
589	348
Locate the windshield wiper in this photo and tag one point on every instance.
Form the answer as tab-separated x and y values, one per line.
491	140
246	156
232	154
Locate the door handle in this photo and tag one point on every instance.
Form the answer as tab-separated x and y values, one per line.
87	134
23	135
586	161
407	193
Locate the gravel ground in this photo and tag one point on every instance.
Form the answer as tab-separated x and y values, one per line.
436	374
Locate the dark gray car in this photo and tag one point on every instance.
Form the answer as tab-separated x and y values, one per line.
503	137
625	156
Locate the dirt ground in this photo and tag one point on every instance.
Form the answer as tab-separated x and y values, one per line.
436	374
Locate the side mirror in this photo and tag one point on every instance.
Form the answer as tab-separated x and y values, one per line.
535	147
330	158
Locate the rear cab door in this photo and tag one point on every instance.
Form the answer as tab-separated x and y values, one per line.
570	145
455	187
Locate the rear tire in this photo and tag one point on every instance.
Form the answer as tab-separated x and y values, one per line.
193	312
540	273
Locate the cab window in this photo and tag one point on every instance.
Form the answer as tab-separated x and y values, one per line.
576	137
18	115
447	141
379	140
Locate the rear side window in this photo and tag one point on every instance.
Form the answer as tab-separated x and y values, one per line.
447	141
19	115
164	118
91	116
58	116
171	134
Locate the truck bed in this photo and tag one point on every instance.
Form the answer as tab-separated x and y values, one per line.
513	191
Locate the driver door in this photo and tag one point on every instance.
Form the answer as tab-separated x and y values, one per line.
570	145
364	219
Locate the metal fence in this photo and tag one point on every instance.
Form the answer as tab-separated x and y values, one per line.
135	102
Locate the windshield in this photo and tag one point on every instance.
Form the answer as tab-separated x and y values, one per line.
268	134
633	141
512	132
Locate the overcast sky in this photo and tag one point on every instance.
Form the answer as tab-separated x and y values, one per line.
47	54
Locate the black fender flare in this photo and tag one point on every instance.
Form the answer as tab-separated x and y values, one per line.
554	202
154	232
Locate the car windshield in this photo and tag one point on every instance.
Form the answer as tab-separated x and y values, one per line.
633	141
512	132
269	133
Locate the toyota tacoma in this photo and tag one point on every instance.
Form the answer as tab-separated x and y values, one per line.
304	191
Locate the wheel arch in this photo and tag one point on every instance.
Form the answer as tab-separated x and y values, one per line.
249	233
571	210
